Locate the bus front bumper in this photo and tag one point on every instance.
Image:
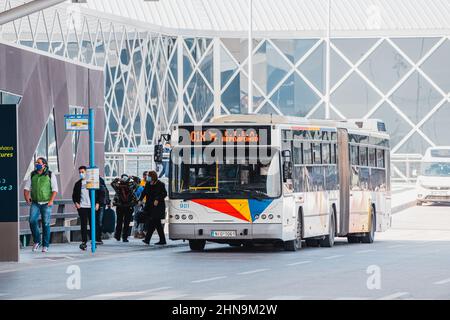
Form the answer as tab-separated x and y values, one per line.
256	231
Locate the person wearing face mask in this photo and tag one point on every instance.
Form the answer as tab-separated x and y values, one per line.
155	207
81	197
40	191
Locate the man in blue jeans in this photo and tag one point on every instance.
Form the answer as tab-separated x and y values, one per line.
40	191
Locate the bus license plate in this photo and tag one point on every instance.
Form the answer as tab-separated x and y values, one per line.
223	234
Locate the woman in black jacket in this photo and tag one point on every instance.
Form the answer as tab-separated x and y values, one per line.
155	207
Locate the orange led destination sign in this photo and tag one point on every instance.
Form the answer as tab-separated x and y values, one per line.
229	135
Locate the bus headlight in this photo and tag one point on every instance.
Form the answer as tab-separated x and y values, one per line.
177	217
191	217
256	217
270	216
183	217
263	216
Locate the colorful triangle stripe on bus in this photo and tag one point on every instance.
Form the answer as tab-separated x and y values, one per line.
243	209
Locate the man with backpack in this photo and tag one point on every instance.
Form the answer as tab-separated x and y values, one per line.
124	200
40	191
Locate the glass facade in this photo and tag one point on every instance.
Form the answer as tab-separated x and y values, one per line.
153	80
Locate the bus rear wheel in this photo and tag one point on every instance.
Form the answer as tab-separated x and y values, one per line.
328	240
369	237
197	245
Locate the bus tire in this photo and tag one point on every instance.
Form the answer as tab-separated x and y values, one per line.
419	203
369	237
328	240
296	244
197	245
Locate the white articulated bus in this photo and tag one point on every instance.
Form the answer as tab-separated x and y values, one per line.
243	179
433	182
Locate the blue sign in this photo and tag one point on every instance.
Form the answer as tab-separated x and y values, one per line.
76	122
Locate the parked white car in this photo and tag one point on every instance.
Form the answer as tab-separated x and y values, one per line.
433	182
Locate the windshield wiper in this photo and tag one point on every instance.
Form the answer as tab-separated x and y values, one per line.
255	193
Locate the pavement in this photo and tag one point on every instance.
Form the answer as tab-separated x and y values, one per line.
409	261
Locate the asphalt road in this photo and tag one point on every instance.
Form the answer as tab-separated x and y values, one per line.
410	261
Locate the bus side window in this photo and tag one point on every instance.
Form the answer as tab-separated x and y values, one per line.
380	158
333	153
363	156
372	159
326	153
317	153
354	159
307	153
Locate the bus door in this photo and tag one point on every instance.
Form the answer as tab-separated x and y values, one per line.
344	181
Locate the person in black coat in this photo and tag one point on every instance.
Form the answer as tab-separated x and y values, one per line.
155	207
81	197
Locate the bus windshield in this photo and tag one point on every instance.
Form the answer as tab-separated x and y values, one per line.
240	178
436	169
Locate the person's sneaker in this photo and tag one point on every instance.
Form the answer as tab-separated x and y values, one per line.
99	242
117	238
145	241
45	249
36	247
125	240
83	246
161	243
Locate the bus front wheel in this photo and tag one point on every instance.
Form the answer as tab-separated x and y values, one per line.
197	245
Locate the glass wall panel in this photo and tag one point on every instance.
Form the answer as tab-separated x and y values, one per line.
437	66
416	97
385	67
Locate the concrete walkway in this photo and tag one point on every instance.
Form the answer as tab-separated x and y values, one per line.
403	197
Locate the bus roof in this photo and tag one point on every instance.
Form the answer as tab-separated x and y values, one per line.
371	125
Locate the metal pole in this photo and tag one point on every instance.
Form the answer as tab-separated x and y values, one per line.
92	165
26	9
250	56
327	72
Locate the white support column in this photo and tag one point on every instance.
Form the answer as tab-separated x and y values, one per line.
250	56
217	80
328	53
180	79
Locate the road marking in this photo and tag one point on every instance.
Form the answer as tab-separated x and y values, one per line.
352	298
333	257
252	271
394	296
443	281
397	246
299	263
365	251
208	279
122	294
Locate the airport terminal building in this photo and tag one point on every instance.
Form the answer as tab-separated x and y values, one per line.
186	61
